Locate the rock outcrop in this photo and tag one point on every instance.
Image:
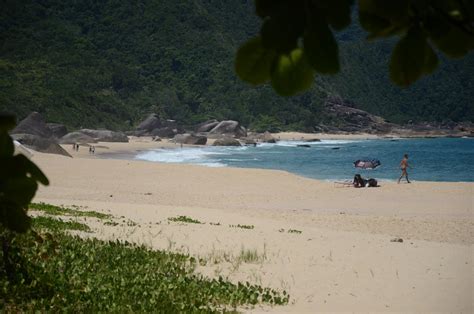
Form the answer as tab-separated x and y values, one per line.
150	123
154	126
58	130
351	120
105	135
40	144
191	139
166	132
226	141
33	124
76	138
228	128
206	126
267	137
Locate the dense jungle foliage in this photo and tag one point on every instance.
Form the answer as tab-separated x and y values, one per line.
108	63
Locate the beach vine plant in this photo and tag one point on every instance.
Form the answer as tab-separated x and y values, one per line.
65	211
297	40
54	270
185	219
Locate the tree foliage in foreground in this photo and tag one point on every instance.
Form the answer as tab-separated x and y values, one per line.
296	38
19	178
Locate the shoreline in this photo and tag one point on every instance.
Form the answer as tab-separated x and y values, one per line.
128	151
339	255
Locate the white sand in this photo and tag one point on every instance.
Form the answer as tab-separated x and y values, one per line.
342	261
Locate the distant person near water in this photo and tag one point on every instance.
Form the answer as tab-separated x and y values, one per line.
403	166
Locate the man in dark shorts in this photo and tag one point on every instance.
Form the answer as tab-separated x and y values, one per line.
403	166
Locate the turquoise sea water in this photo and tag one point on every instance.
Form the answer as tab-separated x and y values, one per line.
443	159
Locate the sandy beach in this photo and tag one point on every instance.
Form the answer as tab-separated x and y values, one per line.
329	246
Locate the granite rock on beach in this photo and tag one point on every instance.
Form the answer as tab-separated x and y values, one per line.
77	138
33	124
40	144
58	130
105	135
228	128
226	141
191	139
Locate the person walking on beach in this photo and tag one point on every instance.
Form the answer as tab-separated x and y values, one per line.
403	166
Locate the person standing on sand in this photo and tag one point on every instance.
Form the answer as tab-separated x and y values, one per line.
403	166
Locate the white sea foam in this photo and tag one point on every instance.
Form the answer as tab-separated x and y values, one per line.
320	143
185	155
199	156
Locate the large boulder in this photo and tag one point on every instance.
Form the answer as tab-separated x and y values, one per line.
166	132
136	133
106	135
226	141
169	123
267	137
150	123
58	130
229	128
33	124
192	139
39	144
346	118
76	138
206	126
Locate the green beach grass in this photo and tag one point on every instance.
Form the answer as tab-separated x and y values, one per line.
49	270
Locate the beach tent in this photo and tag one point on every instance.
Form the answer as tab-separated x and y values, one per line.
21	149
367	163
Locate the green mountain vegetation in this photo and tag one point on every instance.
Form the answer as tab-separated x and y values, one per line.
108	63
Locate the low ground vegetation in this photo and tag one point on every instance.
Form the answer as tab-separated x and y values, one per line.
47	269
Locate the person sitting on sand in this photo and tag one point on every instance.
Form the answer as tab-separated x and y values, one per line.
360	182
403	166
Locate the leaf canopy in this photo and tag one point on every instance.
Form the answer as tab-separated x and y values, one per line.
307	26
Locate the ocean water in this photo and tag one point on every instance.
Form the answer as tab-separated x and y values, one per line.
443	159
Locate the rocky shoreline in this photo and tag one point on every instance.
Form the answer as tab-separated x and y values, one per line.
35	133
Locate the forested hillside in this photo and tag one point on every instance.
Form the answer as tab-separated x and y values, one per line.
108	63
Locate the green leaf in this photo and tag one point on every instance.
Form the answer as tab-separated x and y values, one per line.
265	8
281	32
373	23
321	48
384	18
394	11
7	122
453	41
338	12
292	74
14	217
431	60
6	145
408	58
32	169
253	62
20	191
